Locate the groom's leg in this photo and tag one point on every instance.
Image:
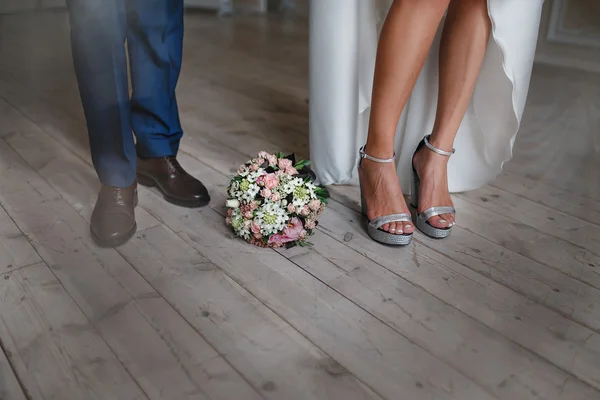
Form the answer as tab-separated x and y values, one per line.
155	43
98	31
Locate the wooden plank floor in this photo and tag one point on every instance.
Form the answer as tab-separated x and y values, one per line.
508	308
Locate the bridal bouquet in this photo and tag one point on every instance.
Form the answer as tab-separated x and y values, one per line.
273	201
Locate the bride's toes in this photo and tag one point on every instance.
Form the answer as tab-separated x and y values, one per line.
451	219
398	227
438	222
407	228
387	227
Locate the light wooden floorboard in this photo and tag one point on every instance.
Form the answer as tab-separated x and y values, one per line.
550	196
55	351
371	287
108	290
579	232
15	250
10	388
505	309
57	166
375	377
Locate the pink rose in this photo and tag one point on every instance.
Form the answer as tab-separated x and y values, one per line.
254	167
255	228
272	159
275	197
253	205
260	161
284	163
291	171
230	212
314	205
305	211
228	221
271	181
258	236
291	208
266	193
292	232
310	224
247	223
263	155
248	215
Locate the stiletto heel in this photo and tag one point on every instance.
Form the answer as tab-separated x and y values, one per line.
374	227
422	219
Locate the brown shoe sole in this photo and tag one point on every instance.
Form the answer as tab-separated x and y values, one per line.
150	182
116	242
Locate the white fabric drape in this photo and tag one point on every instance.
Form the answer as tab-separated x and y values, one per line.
343	42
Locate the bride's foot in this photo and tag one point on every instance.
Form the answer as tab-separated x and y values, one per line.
432	171
383	196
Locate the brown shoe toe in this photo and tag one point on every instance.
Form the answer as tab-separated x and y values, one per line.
113	219
176	185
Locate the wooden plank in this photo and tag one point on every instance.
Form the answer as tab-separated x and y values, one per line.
15	250
421	317
446	332
531	243
550	196
103	284
10	389
273	356
533	326
170	254
54	349
224	159
535	281
553	222
474	293
523	275
329	320
218	158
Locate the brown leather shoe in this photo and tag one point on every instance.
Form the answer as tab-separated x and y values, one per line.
113	219
176	185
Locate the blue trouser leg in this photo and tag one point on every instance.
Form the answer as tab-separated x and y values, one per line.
155	45
98	33
153	30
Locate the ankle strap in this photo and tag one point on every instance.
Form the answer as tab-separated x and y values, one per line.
377	160
435	149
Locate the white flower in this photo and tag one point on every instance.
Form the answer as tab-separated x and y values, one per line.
271	218
251	192
243	171
234	187
233	203
253	175
290	185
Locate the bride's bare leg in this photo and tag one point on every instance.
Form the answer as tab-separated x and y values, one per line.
404	43
464	41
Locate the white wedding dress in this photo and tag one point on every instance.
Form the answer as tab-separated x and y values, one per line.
343	41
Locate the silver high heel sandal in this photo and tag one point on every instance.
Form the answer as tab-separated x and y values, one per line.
422	220
374	227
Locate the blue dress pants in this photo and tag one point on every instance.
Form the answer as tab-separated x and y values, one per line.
152	31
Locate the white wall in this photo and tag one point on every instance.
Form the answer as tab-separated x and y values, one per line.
571	36
7	6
